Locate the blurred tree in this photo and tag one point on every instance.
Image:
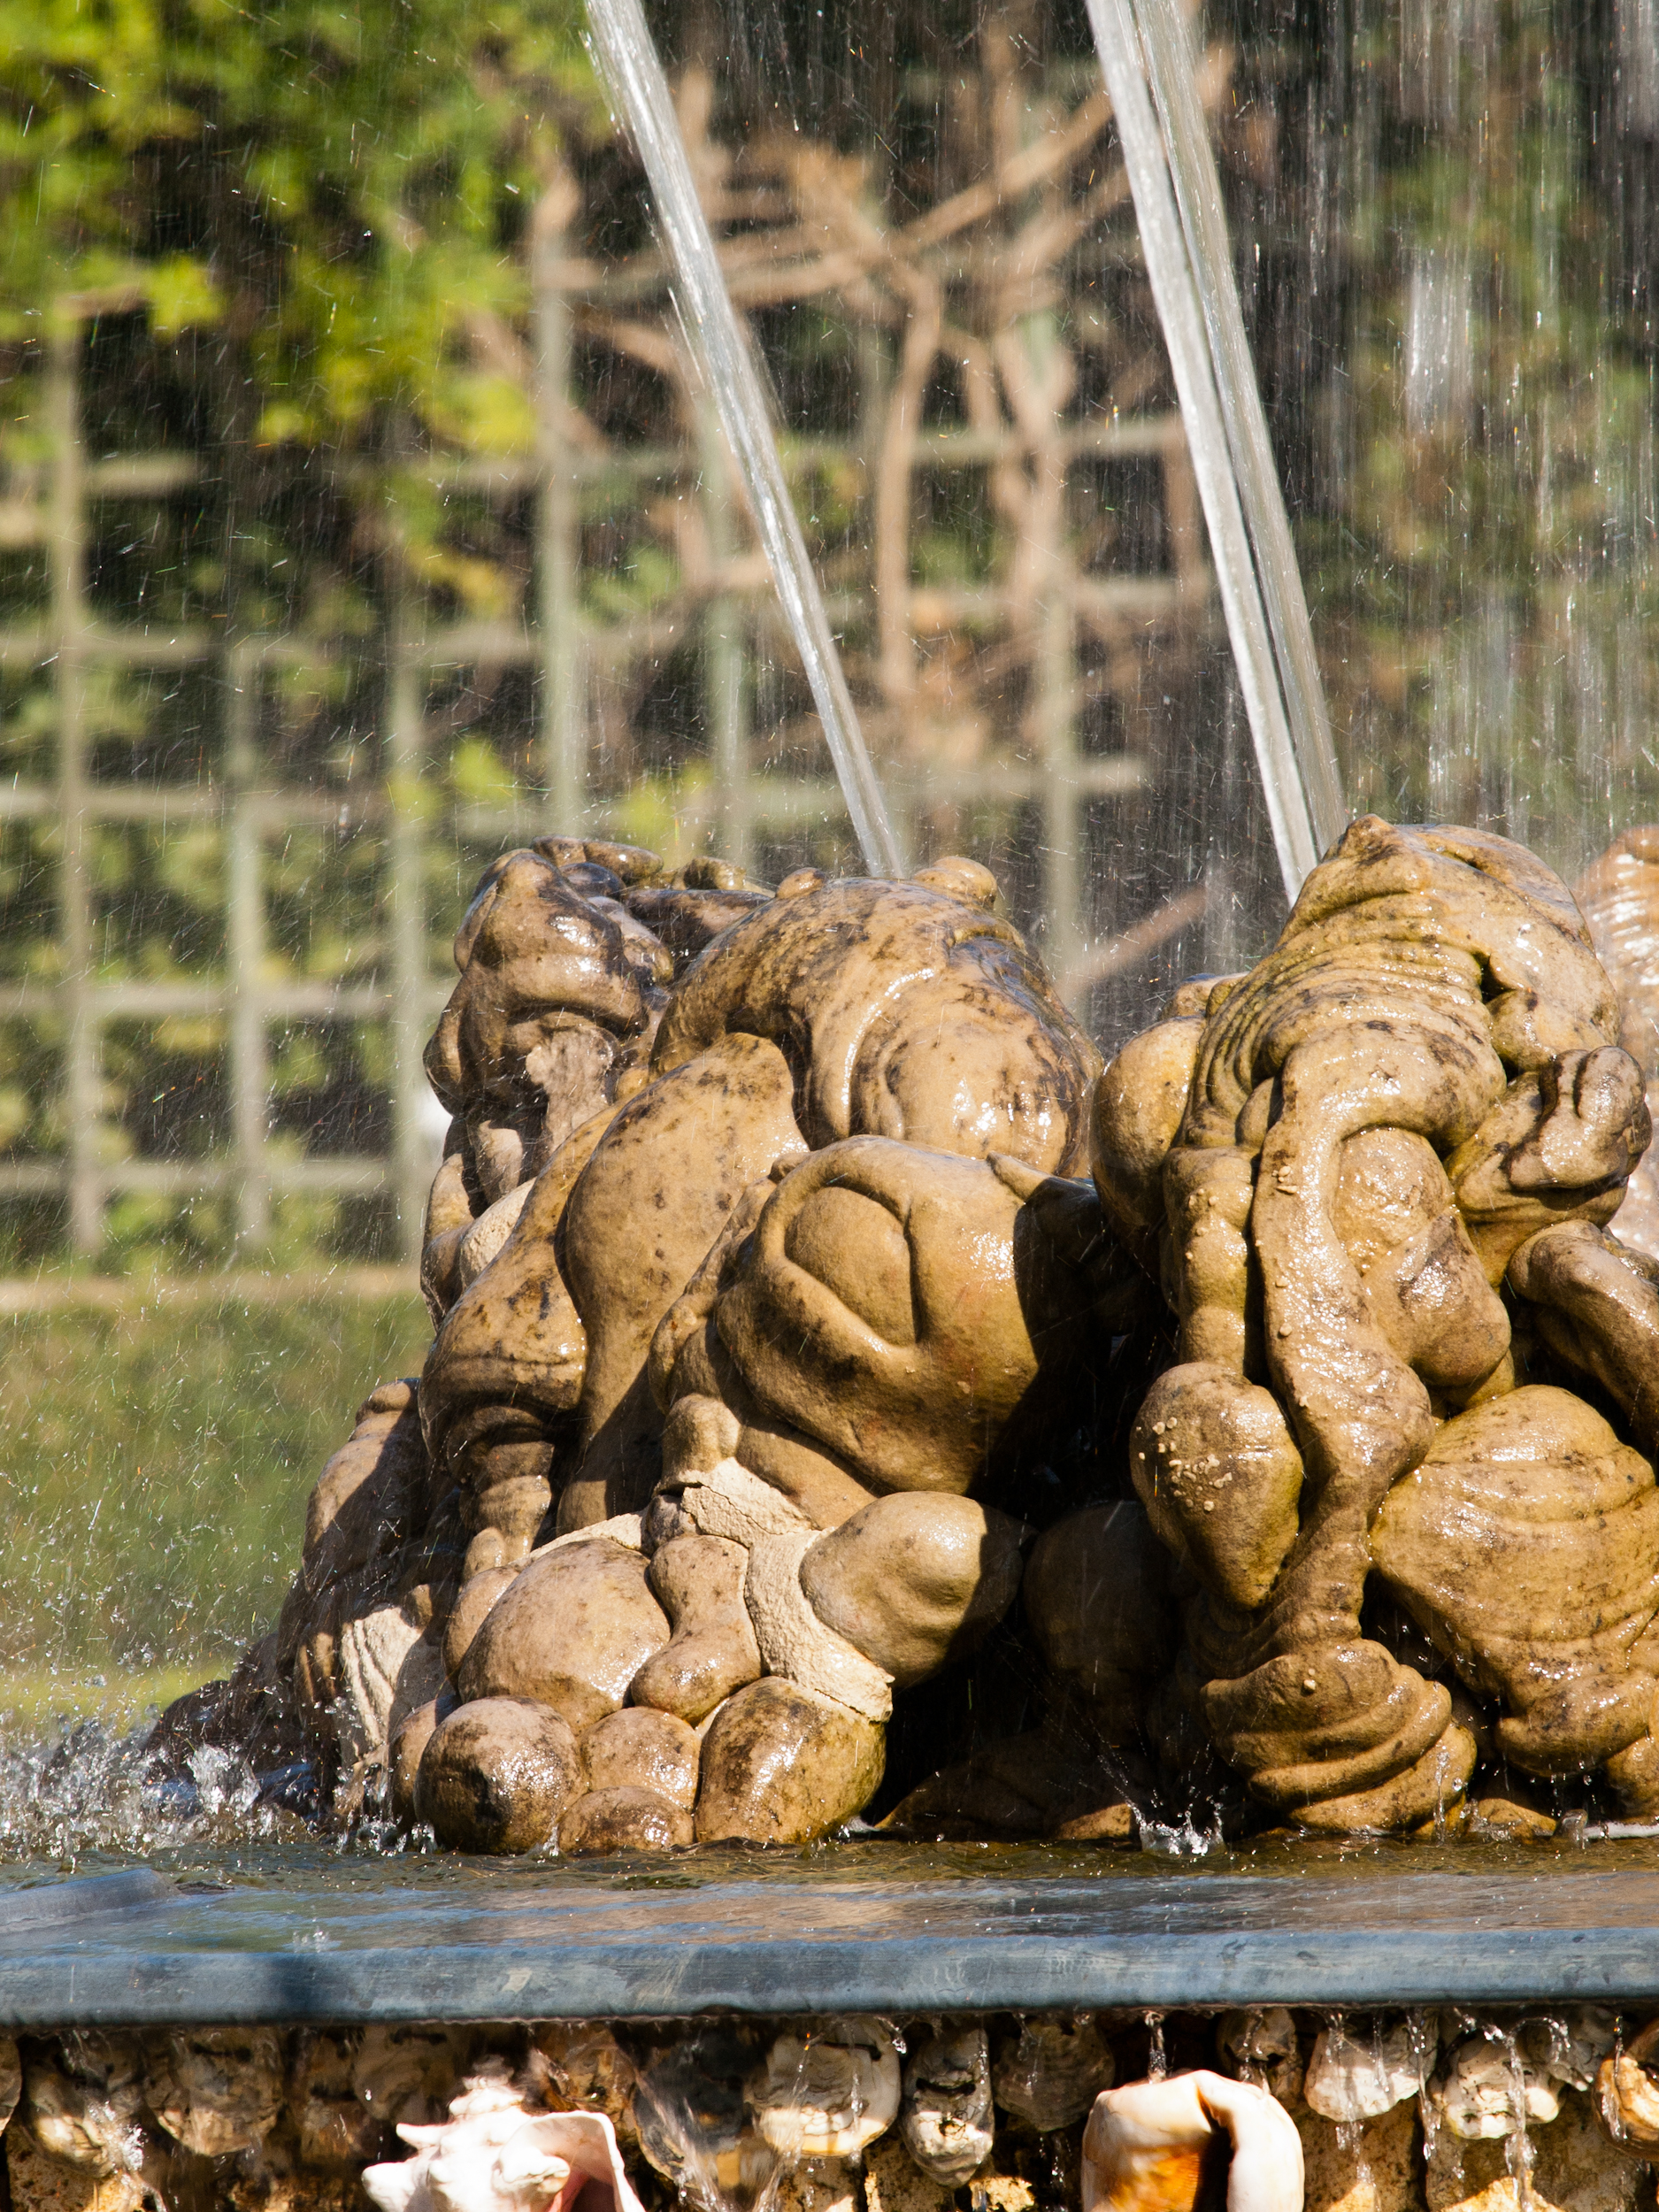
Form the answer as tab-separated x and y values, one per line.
334	193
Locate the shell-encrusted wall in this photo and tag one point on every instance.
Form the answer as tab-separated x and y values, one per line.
1272	2110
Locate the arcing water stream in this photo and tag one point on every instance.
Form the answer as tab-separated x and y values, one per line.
629	62
1184	236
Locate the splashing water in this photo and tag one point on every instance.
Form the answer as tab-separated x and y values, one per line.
1188	1841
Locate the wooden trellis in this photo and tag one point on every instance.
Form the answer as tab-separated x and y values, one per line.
743	806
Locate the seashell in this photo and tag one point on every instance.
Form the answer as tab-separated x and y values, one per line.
1361	2077
1627	2093
1568	2046
492	2155
1147	2144
335	2128
827	2091
10	2079
1051	2072
1489	2090
83	2104
580	2065
1262	2046
945	2118
216	2090
692	2119
403	2073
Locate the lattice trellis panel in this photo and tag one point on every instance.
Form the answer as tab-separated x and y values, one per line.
999	500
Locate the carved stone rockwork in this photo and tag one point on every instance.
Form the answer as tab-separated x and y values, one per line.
849	1399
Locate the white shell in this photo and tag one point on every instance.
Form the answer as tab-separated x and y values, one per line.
492	2155
946	2120
1570	2045
1488	2091
828	2092
1143	2142
1359	2078
83	2104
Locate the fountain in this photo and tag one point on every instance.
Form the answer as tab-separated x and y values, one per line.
856	1419
945	1623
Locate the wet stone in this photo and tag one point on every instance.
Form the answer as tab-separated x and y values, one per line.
1373	2165
497	1775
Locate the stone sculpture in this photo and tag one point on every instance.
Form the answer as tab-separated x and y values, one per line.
813	1312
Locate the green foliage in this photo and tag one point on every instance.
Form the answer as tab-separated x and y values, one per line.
340	190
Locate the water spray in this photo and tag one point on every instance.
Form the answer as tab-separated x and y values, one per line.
1183	233
633	73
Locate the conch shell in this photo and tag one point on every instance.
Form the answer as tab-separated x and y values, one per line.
492	2155
1147	2144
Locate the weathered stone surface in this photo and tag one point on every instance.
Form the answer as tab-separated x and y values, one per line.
914	1409
1618	896
698	1580
1097	1592
638	1748
776	1261
1574	2166
404	1754
781	1765
82	2101
39	2183
404	2073
915	1580
624	1817
895	2182
1423	1076
1373	2165
336	2131
497	1775
1527	1543
586	2069
655	1195
571	1632
476	1594
924	1017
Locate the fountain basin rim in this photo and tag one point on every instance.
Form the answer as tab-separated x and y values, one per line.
390	1951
